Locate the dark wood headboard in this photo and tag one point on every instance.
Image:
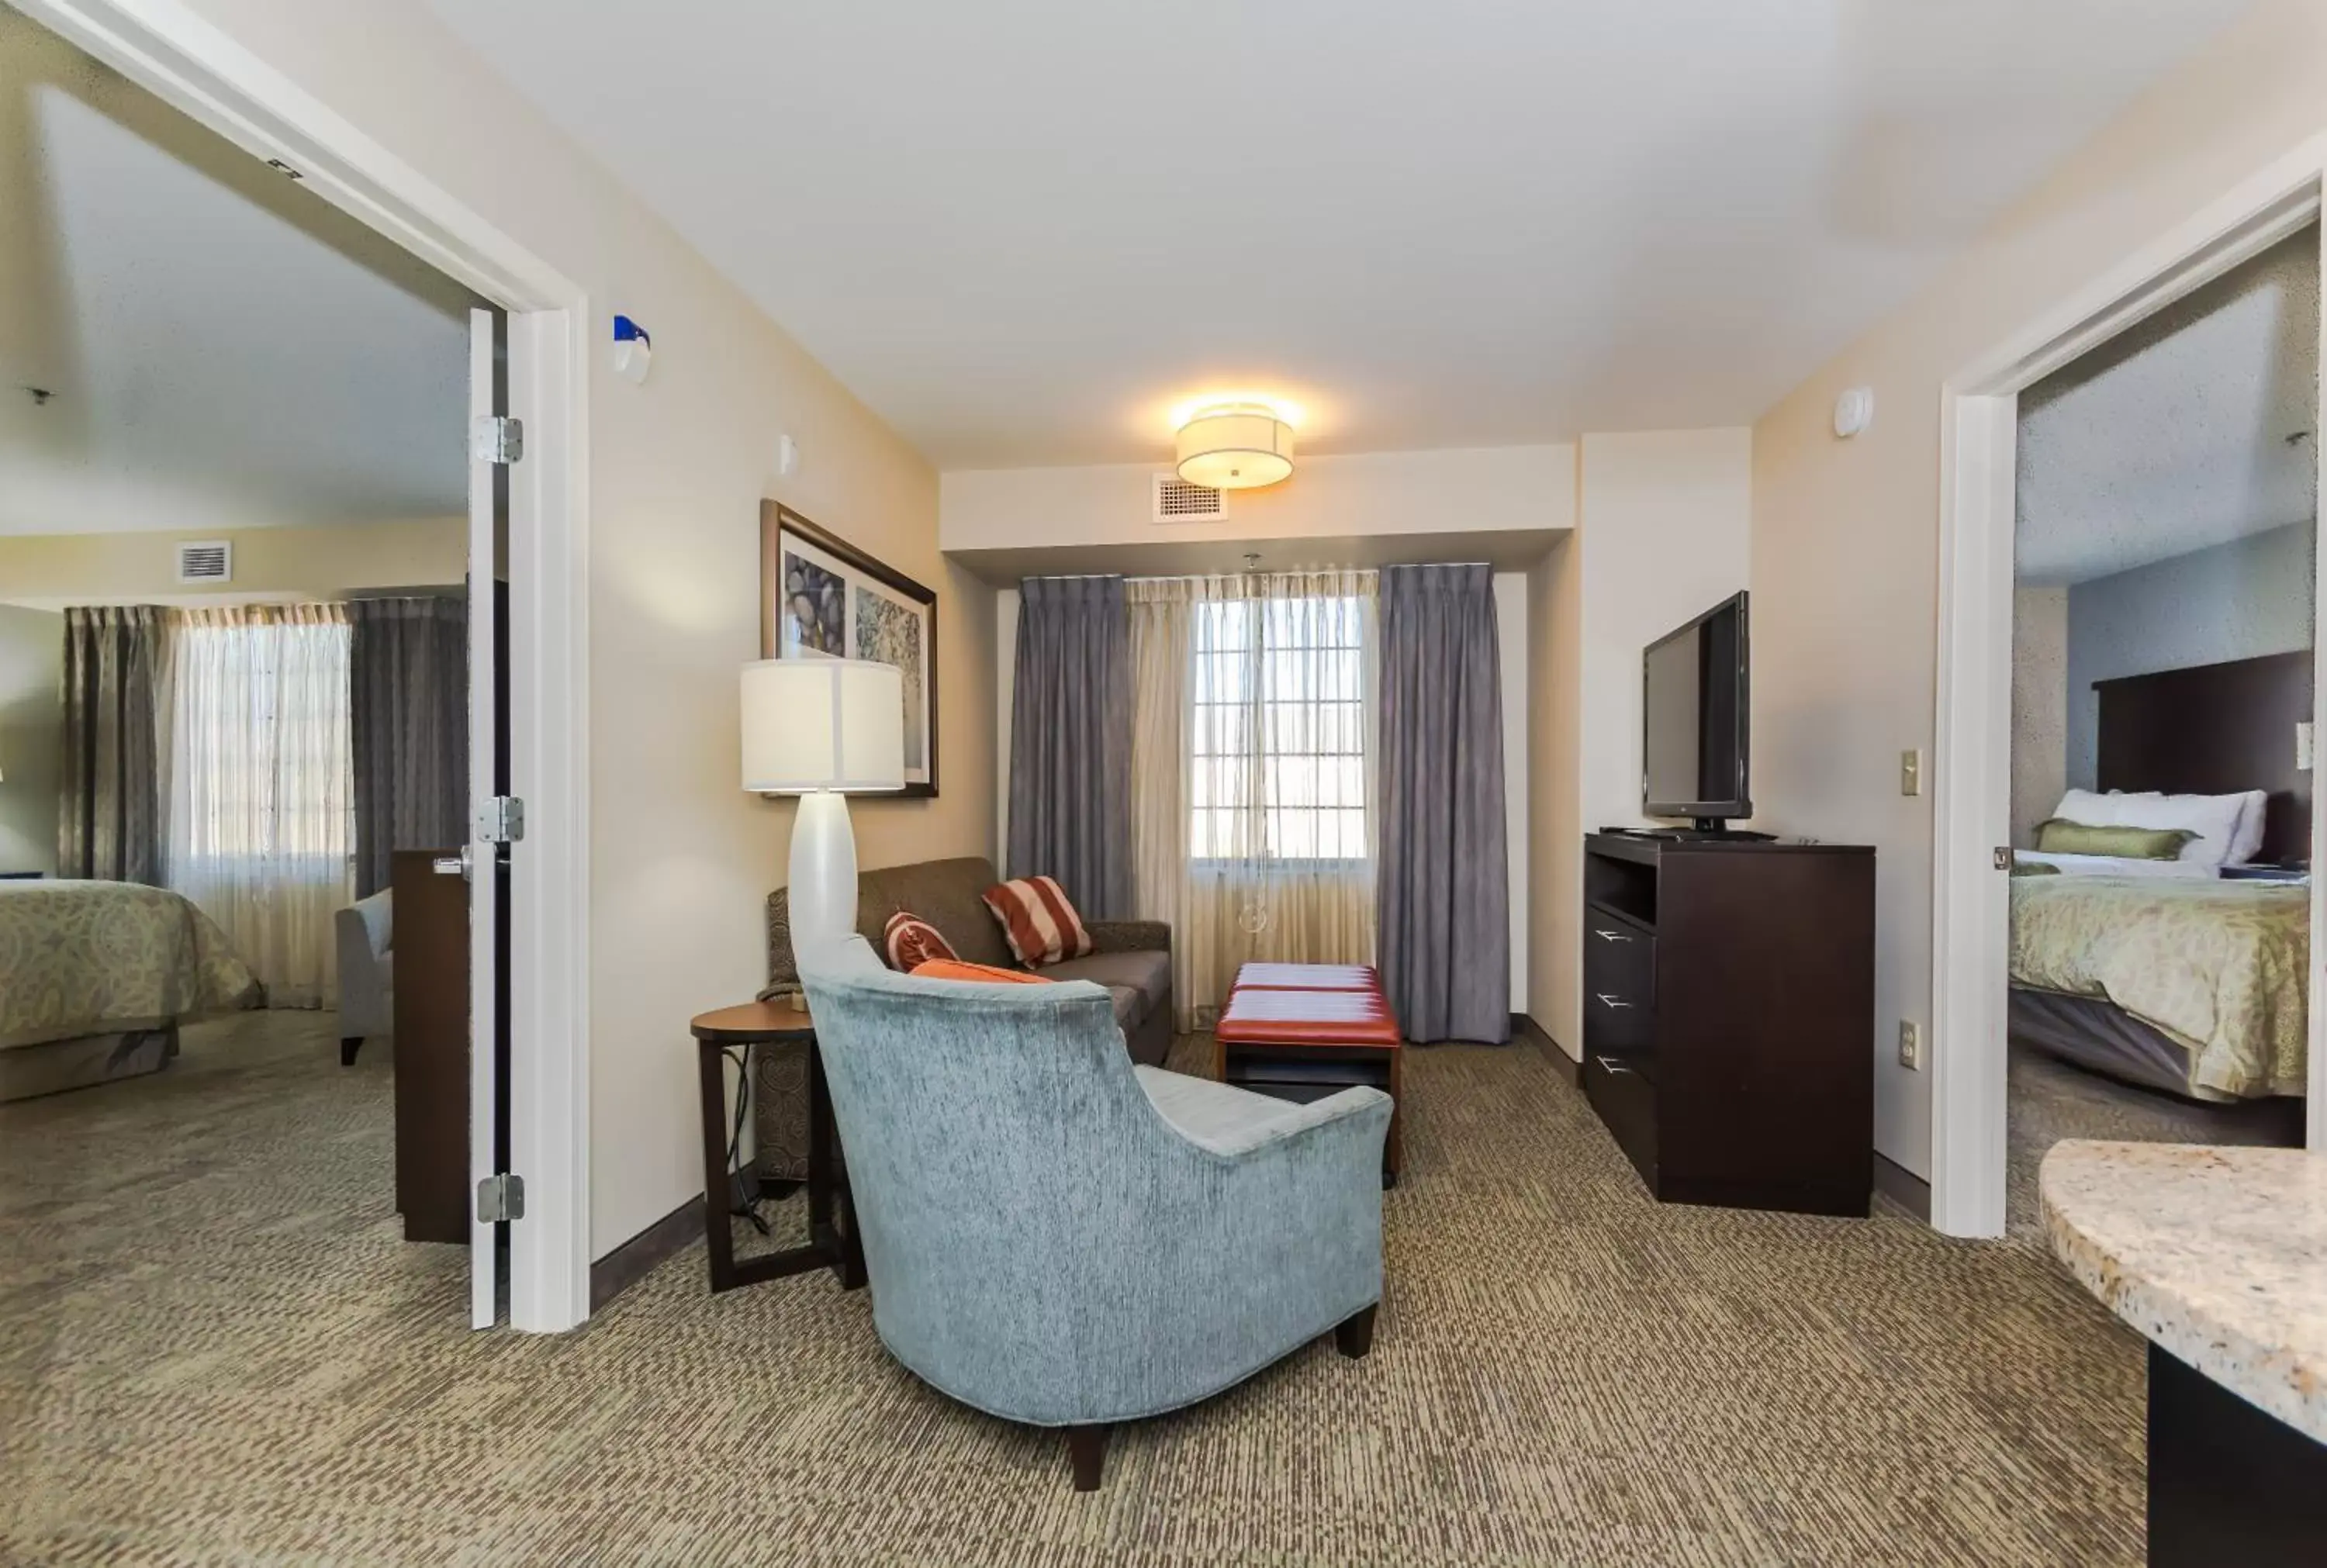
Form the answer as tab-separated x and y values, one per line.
2212	729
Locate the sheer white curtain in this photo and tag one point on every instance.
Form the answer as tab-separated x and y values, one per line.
1253	774
261	823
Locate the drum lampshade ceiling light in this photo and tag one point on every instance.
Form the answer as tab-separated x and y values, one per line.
1235	446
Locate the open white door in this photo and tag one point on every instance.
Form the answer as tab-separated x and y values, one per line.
483	852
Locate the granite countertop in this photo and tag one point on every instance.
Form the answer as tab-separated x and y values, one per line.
2219	1255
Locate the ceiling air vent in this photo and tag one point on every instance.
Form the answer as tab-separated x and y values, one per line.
205	561
1178	501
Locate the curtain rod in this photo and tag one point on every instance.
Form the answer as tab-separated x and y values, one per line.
1249	571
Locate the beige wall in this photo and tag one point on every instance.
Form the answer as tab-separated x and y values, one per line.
32	732
1485	489
681	859
2040	707
1554	880
1664	518
1846	533
55	570
1661	535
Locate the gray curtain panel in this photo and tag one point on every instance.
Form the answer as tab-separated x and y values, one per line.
1441	885
1071	742
109	805
408	728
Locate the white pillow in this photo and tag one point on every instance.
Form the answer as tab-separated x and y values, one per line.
2218	820
2248	842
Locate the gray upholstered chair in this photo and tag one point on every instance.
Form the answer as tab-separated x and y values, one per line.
1058	1237
364	929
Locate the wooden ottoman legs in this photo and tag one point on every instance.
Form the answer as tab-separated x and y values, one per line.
1355	1336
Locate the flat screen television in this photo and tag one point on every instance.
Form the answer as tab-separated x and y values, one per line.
1693	716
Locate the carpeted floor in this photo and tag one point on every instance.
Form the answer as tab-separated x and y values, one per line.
213	1347
2048	1100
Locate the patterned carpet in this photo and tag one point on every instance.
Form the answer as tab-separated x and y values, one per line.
214	1349
2050	1100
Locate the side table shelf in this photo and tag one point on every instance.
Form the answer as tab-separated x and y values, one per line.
832	1240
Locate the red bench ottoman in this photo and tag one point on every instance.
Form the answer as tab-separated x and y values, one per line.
1300	1032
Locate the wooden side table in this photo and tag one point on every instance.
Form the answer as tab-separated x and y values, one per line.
831	1244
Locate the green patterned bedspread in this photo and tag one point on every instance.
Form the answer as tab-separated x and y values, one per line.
90	957
2219	965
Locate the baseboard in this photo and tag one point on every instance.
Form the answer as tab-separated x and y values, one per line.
1524	1028
636	1258
1903	1187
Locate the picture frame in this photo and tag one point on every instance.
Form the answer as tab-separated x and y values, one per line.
820	597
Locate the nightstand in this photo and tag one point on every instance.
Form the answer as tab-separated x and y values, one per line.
2279	873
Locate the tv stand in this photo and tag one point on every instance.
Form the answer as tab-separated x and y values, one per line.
1729	1016
1707	830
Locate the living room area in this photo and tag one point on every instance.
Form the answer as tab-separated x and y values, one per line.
1240	758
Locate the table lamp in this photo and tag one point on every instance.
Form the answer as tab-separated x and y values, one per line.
819	728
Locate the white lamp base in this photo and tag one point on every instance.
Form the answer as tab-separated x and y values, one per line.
822	885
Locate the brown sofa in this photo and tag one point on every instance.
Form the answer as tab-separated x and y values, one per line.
1133	962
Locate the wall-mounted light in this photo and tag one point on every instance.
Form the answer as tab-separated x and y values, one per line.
633	350
1236	444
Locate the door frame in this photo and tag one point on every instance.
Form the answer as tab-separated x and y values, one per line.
191	64
1970	916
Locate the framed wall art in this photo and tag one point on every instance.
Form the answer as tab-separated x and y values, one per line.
820	597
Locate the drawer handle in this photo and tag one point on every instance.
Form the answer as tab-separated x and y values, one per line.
1609	1064
1607	1001
1612	936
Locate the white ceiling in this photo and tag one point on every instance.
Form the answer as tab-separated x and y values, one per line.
1024	230
226	349
2174	436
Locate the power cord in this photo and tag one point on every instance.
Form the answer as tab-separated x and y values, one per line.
743	1196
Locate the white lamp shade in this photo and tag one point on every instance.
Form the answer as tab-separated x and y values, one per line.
823	723
1235	446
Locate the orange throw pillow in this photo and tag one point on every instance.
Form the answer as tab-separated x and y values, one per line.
954	969
911	941
1042	925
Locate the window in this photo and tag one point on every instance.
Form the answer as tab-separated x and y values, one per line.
1278	752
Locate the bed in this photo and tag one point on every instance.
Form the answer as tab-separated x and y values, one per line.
96	977
2167	974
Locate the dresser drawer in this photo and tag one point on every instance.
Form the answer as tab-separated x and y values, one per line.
1619	985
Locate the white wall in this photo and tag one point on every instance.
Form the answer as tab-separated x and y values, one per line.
1662	531
681	859
2040	707
32	736
1512	611
1846	533
1483	489
1664	521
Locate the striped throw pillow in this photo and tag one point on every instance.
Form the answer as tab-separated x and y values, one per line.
1042	925
911	941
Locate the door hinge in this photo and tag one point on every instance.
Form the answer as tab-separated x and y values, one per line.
497	438
500	1198
502	821
2003	857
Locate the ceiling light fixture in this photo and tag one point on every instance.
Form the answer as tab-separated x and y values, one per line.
1238	443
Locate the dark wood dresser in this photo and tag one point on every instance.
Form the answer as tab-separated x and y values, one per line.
431	983
1729	1017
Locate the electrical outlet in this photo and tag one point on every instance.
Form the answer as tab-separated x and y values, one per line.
1910	772
1911	1045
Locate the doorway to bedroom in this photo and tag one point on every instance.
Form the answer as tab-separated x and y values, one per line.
2162	623
244	544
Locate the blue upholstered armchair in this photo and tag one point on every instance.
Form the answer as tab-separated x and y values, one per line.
1056	1236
